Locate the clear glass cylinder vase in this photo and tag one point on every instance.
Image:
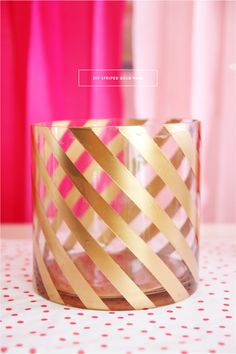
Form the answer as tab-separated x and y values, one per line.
116	212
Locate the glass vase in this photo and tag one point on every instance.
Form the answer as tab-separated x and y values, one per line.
116	212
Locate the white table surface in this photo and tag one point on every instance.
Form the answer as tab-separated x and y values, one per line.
204	323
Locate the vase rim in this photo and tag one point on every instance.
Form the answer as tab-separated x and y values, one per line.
173	123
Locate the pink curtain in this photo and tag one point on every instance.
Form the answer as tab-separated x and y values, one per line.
44	45
192	45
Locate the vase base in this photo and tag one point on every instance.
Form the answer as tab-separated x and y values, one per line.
158	295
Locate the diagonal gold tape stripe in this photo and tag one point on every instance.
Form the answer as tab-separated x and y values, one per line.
171	210
109	193
80	286
118	278
74	151
168	249
87	295
49	286
185	142
63	125
60	128
137	246
73	195
154	188
139	138
128	183
151	231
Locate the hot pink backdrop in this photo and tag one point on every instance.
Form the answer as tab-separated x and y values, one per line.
44	45
191	44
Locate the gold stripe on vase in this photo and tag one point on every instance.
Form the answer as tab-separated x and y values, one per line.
49	286
118	278
75	279
135	191
154	188
162	166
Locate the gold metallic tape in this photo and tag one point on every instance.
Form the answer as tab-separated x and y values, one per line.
76	280
171	210
139	138
118	278
109	192
185	142
74	151
154	188
49	286
168	249
133	189
137	246
141	200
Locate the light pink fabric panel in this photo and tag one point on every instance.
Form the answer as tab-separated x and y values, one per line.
192	45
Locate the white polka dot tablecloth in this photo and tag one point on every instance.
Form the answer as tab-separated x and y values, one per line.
204	323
